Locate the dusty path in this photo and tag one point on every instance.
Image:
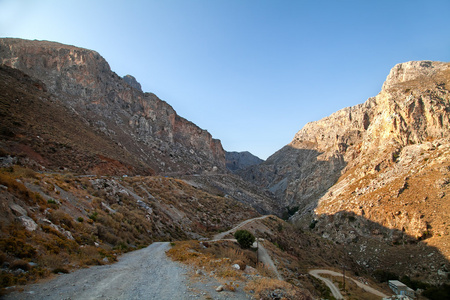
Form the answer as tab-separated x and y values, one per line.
265	258
223	234
365	287
334	290
142	274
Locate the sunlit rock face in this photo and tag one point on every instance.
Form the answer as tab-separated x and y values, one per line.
377	174
328	156
140	122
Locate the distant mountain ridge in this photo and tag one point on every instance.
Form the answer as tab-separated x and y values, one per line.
140	123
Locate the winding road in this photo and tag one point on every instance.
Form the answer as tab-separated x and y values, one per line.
335	291
263	256
142	274
221	235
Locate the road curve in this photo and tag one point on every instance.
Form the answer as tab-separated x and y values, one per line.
360	284
263	256
141	274
334	290
223	234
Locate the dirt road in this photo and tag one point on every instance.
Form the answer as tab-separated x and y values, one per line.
265	258
334	289
142	274
223	234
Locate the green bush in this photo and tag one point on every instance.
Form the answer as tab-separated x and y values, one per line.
244	238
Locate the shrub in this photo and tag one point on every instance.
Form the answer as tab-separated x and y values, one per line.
313	223
20	264
244	238
93	216
17	247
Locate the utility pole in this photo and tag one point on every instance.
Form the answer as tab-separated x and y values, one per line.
257	248
343	266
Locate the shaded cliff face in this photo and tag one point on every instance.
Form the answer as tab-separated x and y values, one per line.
240	160
140	123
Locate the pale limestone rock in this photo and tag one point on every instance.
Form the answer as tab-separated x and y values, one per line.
28	223
18	210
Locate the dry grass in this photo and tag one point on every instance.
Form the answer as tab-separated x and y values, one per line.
216	257
262	288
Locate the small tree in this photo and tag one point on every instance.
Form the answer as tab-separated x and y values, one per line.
244	238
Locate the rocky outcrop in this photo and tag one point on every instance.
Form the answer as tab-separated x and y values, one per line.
240	160
142	124
132	82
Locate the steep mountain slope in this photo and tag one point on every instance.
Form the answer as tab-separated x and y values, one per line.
383	162
233	186
144	126
412	108
37	130
55	222
240	160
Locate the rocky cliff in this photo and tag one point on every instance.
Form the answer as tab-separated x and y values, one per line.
140	123
385	162
412	108
240	160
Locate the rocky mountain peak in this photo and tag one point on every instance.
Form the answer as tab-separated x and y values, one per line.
414	71
132	82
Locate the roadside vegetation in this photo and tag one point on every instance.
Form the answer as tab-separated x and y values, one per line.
244	238
234	268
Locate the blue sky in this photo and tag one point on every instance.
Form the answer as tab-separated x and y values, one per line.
252	73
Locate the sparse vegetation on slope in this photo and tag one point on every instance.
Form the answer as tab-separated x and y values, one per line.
53	222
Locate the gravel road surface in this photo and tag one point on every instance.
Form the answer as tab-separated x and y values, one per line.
223	234
335	290
142	274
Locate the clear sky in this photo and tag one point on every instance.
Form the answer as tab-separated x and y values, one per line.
251	72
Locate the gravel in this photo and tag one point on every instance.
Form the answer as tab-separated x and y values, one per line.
142	274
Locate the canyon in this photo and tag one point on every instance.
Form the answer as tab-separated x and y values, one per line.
366	187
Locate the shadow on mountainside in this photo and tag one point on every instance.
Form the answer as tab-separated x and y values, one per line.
386	253
297	177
